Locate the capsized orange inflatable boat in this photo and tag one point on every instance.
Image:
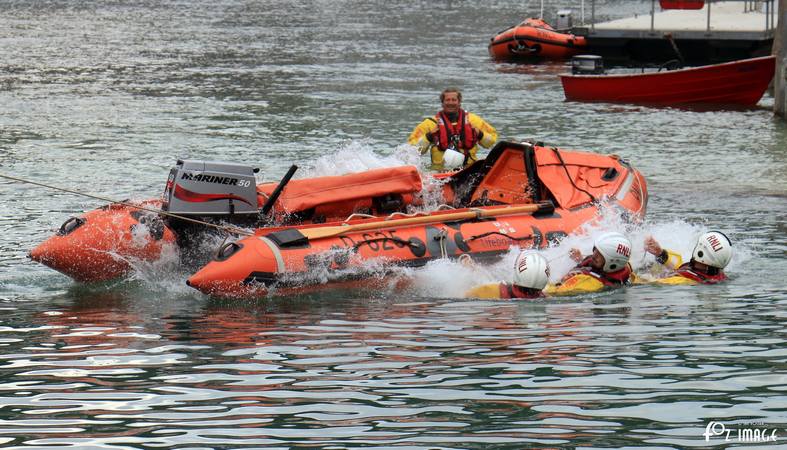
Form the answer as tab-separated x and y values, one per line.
534	38
105	243
306	232
203	204
520	195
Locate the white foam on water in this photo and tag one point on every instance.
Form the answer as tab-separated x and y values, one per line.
357	156
452	279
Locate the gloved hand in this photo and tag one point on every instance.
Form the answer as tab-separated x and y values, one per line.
478	134
652	246
575	254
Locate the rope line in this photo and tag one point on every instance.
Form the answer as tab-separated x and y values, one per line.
229	229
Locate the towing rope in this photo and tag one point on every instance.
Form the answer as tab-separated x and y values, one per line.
226	228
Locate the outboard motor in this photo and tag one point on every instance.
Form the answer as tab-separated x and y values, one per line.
587	65
214	192
212	189
564	20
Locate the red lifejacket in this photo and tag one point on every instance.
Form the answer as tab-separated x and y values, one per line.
462	136
514	291
609	279
689	272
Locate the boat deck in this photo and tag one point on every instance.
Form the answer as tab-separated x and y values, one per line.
720	31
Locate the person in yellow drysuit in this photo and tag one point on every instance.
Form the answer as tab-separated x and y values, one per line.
608	267
711	255
531	274
452	128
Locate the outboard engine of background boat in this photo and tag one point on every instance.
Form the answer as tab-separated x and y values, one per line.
587	65
211	192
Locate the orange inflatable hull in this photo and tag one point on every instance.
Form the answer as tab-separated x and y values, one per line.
103	244
109	242
536	196
534	38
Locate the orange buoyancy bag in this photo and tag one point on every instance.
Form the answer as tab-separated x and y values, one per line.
300	195
462	136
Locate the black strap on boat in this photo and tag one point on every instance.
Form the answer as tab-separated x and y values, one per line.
395	239
288	238
483	235
277	192
532	177
568	175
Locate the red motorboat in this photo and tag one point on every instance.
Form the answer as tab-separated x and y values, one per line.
534	38
739	83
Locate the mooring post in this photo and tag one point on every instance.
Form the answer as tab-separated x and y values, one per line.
780	51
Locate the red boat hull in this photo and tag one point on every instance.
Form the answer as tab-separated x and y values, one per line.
739	83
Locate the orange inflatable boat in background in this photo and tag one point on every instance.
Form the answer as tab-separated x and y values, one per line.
521	195
534	38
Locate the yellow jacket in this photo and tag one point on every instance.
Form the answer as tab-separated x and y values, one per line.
666	263
669	259
503	290
577	284
418	138
675	280
582	283
491	290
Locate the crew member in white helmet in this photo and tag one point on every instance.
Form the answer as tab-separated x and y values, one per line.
453	135
608	267
711	255
531	274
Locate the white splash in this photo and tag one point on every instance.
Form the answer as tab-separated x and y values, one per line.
452	279
358	156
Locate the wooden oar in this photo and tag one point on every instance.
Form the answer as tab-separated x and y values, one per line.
324	232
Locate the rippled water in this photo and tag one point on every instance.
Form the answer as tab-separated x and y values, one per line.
104	96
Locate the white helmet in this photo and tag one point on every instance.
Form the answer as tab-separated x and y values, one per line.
453	159
616	250
531	270
714	249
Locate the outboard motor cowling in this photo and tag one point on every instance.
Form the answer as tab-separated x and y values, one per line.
205	188
587	65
